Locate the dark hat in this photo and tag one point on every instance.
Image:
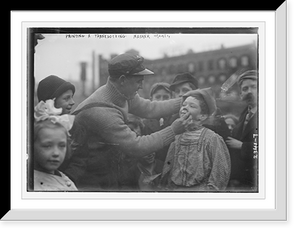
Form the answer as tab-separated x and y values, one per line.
133	119
183	78
127	64
52	87
251	74
160	85
207	96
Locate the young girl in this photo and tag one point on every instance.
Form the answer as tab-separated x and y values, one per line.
198	160
50	148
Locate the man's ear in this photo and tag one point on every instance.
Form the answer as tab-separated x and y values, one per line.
122	79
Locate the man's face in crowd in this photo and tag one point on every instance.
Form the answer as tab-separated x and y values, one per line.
249	92
131	85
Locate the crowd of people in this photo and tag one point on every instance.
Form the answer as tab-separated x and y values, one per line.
115	140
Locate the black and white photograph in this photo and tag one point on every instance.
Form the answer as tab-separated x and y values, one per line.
149	116
148	110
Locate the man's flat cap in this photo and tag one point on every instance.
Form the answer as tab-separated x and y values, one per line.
128	64
183	78
251	74
160	85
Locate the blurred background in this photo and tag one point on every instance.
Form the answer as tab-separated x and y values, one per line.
82	59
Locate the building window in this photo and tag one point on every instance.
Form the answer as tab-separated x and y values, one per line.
191	67
222	63
245	61
210	65
200	66
211	79
233	62
222	78
201	80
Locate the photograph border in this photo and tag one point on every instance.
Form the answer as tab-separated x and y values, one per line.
190	28
280	211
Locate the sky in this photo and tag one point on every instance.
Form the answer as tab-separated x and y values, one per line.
61	54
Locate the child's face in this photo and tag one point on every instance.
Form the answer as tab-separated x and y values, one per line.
161	95
182	89
135	128
65	101
50	149
230	123
148	159
192	106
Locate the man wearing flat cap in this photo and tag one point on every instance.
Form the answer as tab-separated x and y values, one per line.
244	143
101	136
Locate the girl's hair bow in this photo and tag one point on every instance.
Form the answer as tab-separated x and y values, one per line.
46	110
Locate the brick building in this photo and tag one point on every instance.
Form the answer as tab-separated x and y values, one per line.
211	69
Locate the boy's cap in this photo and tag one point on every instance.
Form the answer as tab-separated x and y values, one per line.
183	78
133	119
207	96
52	87
251	74
128	64
160	85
